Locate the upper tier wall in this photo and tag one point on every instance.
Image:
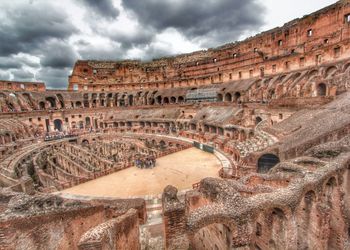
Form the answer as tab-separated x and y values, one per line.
319	38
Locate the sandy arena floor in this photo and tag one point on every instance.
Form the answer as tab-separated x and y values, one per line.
181	170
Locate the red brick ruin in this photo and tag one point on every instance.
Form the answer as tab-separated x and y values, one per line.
275	107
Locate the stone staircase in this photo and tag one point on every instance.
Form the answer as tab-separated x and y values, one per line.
259	142
151	233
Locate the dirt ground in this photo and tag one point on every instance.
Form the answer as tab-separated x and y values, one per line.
181	169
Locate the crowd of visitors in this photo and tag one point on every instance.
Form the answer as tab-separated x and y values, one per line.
145	162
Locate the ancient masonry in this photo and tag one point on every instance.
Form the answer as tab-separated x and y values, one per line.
275	107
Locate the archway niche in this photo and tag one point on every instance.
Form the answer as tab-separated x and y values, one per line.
321	89
228	97
220	98
58	125
266	162
237	96
78	104
52	102
42	105
159	99
214	236
258	119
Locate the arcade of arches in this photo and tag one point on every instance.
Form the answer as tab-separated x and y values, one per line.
245	146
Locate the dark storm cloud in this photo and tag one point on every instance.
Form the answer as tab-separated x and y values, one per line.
22	75
9	63
45	30
111	52
103	8
26	27
58	54
213	21
139	38
53	77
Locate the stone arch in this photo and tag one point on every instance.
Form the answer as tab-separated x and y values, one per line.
321	89
166	100
236	96
173	99
42	105
220	97
228	97
332	201
213	236
28	99
81	124
60	100
85	142
330	71
78	104
180	99
58	124
346	67
258	119
278	223
130	100
87	122
52	101
306	217
159	99
266	162
312	74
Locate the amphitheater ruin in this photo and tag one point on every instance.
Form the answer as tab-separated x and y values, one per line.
244	146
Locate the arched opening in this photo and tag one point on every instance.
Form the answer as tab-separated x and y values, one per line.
131	100
237	96
78	105
321	89
166	100
278	224
60	99
172	99
86	100
181	99
331	71
151	101
162	144
220	98
159	99
312	74
85	142
58	125
87	122
28	99
42	105
307	215
52	102
228	97
214	236
258	119
266	162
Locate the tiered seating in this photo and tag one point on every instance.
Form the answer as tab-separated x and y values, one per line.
259	142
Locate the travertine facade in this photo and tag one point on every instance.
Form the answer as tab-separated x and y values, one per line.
273	109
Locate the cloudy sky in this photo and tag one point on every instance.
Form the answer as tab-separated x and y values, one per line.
41	39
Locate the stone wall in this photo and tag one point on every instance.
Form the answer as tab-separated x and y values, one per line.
119	233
